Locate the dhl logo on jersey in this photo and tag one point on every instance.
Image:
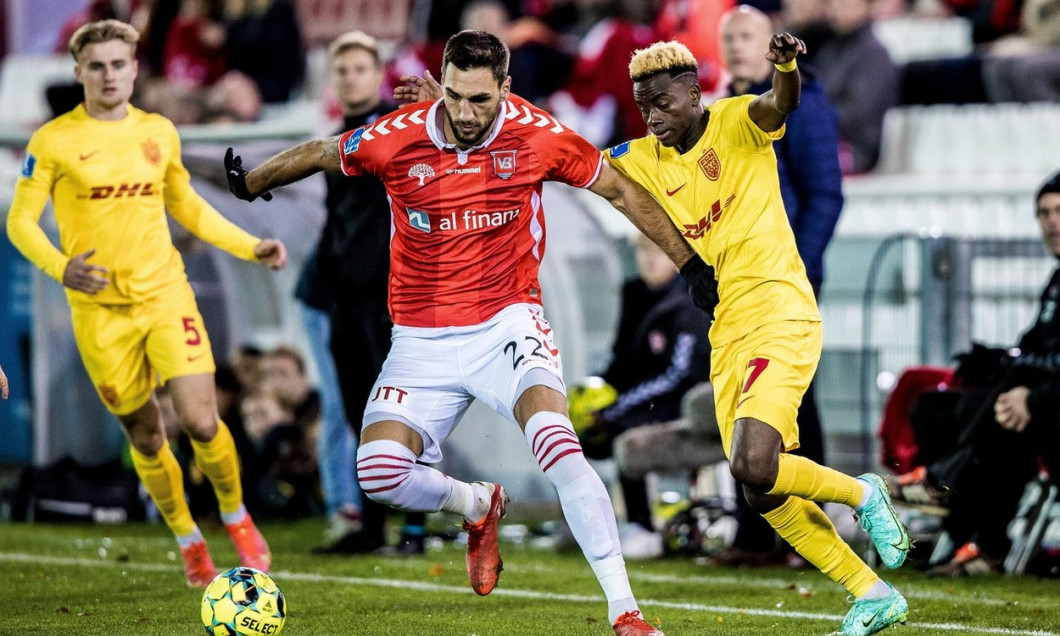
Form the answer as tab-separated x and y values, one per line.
698	229
121	190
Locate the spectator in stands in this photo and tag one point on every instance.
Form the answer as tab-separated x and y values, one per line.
246	364
808	21
696	24
537	58
811	186
94	11
193	53
993	431
283	373
281	474
261	412
595	100
860	79
660	351
264	42
1025	66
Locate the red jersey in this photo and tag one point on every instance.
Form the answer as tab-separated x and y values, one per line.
467	228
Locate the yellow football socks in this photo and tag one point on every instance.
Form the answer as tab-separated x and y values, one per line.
804	525
161	476
218	461
804	478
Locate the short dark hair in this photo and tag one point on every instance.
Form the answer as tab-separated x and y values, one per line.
470	49
1052	186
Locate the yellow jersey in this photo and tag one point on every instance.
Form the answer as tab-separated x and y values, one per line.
724	197
111	183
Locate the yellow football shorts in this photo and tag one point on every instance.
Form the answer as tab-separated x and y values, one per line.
764	376
126	349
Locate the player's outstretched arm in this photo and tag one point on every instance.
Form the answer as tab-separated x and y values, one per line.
287	167
769	110
640	207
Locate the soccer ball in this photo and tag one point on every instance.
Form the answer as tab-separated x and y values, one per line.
587	396
243	601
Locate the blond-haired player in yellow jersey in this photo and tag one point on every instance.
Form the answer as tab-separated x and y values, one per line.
714	171
112	171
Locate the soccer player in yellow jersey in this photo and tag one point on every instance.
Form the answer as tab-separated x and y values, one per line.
715	173
112	171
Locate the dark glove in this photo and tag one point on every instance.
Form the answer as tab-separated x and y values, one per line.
237	178
701	284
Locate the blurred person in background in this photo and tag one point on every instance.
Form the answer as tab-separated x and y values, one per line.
861	81
595	99
193	54
246	364
264	42
983	441
696	24
660	351
811	187
283	372
112	172
808	21
262	411
354	294
3	384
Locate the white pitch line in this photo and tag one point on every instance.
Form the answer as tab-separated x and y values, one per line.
550	596
780	584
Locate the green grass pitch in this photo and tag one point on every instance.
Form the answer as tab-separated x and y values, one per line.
125	579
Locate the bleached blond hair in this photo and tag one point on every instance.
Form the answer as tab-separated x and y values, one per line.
662	57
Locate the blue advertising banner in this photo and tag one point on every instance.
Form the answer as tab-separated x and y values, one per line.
16	422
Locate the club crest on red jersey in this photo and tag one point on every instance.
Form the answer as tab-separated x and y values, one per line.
421	171
152	152
503	163
710	164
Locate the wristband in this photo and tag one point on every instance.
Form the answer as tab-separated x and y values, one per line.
786	67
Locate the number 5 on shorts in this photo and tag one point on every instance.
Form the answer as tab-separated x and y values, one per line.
194	337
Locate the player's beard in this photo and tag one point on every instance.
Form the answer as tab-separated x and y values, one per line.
476	137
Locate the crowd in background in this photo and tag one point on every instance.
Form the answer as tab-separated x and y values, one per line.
273	411
224	60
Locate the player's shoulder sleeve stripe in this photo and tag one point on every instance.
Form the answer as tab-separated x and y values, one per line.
521	112
412	116
596	174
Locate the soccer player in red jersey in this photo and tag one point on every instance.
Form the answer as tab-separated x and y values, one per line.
464	177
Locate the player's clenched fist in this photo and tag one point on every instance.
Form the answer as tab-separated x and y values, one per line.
237	178
272	253
784	47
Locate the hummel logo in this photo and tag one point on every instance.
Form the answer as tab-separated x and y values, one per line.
670	193
84	157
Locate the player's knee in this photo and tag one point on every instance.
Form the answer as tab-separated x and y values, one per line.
384	473
752	471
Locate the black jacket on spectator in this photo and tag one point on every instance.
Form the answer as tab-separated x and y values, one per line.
981	465
660	351
268	48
